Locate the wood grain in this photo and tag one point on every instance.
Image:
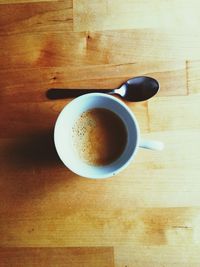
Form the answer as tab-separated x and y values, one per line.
149	214
119	46
135	226
106	15
42	49
169	256
36	17
86	257
183	113
61	49
25	1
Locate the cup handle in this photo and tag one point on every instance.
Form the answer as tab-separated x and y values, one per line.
151	144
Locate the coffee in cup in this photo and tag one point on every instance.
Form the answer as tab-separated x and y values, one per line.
99	136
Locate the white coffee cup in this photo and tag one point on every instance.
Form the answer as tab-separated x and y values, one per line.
64	143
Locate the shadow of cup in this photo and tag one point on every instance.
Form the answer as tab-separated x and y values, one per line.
34	151
32	167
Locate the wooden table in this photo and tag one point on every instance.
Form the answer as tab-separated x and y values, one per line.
147	216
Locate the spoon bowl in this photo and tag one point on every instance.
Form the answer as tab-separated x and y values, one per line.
137	89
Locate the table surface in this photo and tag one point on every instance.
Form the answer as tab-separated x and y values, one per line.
148	215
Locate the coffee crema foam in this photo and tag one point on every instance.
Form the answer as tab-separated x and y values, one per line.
99	136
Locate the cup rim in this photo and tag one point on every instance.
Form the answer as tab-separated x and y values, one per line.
119	102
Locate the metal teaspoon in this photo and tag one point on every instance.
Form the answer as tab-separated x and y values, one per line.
136	89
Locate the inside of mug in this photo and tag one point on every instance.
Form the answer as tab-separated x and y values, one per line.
64	142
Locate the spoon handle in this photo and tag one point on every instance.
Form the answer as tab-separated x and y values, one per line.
58	93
